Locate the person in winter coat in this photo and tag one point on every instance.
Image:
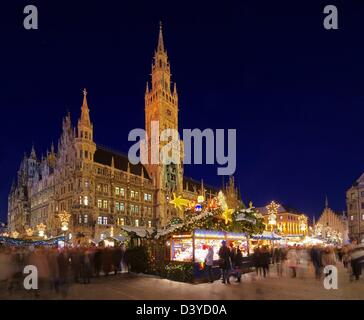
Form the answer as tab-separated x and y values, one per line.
225	262
316	260
209	262
238	263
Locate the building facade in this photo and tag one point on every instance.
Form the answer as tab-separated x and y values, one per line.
284	221
332	227
100	189
355	209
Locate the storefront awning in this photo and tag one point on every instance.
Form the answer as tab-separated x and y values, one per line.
266	236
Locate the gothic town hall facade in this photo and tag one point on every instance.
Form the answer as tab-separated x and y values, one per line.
98	187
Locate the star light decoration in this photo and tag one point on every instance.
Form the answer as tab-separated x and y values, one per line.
29	232
15	234
65	219
179	202
227	213
41	228
272	211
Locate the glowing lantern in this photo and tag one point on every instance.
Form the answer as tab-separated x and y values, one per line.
200	199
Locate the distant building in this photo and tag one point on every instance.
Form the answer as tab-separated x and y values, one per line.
287	221
332	227
355	209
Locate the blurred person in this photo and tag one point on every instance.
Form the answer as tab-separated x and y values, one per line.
292	261
278	259
316	260
106	261
117	256
357	259
265	260
209	262
225	262
97	262
52	255
63	267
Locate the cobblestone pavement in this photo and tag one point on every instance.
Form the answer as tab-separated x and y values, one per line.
134	287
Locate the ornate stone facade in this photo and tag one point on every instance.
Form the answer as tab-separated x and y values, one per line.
97	186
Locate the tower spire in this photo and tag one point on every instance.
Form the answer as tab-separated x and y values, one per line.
85	111
160	46
326	202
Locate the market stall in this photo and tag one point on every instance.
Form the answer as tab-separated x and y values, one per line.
193	247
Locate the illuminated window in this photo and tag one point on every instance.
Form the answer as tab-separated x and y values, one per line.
80	199
99	220
117	191
132	208
121	222
362	216
122	207
99	203
104	204
149	224
79	219
137	223
85	218
117	206
132	194
352	218
136	209
122	192
98	188
105	188
87	184
136	194
104	220
145	196
85	200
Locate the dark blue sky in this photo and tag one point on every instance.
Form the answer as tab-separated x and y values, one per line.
293	90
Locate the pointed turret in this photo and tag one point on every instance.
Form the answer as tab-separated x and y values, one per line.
326	202
85	112
160	47
33	154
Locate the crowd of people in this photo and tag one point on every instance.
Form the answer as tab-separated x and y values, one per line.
295	260
57	268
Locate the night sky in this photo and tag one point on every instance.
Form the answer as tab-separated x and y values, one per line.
293	90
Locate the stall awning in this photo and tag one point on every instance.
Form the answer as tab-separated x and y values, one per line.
266	236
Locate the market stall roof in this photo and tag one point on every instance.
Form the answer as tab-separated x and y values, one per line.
141	232
266	236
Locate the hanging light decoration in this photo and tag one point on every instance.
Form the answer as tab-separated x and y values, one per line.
272	211
65	219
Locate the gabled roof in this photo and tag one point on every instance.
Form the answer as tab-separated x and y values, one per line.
104	155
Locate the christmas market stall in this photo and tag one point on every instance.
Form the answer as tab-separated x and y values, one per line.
207	223
193	247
